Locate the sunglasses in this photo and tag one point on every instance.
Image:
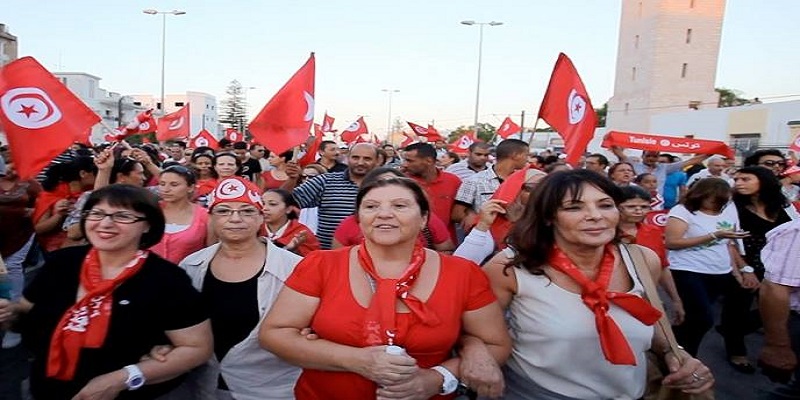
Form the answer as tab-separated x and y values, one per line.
771	163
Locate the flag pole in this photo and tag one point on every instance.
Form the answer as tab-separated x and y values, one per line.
108	128
533	132
522	125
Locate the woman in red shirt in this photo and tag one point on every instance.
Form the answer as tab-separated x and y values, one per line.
387	291
281	225
203	164
276	177
633	209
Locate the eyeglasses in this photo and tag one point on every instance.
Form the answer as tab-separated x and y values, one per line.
120	217
309	175
243	212
771	163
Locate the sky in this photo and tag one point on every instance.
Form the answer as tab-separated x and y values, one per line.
415	46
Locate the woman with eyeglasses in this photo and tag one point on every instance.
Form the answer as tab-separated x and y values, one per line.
633	210
93	311
621	173
239	278
276	177
704	238
281	225
203	165
186	230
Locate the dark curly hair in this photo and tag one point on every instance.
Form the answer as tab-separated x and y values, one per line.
533	236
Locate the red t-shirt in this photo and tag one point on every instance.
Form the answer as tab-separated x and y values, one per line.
442	194
460	287
348	233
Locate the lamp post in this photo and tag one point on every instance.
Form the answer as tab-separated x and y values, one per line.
151	11
389	117
480	59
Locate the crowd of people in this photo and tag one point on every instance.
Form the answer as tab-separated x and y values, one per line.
161	271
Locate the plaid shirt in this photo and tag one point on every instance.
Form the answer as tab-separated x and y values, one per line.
781	258
478	189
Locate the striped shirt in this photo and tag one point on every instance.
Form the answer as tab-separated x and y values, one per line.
463	171
781	258
478	189
335	195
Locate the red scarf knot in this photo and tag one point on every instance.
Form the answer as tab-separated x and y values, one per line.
597	298
381	320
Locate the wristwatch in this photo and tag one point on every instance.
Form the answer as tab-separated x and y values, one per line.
450	383
135	377
747	269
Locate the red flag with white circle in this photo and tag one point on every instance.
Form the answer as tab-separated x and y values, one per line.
204	139
174	125
508	128
40	116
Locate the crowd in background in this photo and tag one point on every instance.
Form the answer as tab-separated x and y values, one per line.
161	271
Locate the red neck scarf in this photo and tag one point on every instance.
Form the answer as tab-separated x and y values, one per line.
596	296
381	324
85	324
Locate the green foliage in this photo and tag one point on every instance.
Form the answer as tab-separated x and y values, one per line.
485	132
234	107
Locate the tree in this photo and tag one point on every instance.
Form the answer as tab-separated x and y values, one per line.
601	112
234	107
732	98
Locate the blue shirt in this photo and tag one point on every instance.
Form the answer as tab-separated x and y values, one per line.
672	186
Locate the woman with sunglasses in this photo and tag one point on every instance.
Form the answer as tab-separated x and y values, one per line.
93	311
281	225
239	278
186	229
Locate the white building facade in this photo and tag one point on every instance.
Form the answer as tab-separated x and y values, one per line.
666	60
202	109
114	108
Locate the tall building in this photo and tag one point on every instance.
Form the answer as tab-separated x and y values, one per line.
8	46
666	60
114	108
202	109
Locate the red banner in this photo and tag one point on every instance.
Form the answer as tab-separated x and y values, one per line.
671	144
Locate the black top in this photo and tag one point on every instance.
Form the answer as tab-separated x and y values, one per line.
158	298
233	308
758	228
338	167
250	170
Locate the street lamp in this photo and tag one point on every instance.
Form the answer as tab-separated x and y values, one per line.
151	11
389	117
480	58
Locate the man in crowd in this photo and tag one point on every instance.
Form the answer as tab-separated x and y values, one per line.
596	162
477	158
779	304
259	153
441	147
329	157
675	183
335	192
650	164
249	167
775	161
420	165
715	168
225	144
512	154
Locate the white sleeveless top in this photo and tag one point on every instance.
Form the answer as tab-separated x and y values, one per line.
556	344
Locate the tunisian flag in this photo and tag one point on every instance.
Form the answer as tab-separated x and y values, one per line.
327	123
233	135
508	128
433	135
286	119
40	116
204	139
174	125
649	142
409	138
313	148
461	145
567	108
418	130
355	130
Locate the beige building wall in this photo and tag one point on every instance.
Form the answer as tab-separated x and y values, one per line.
8	46
666	60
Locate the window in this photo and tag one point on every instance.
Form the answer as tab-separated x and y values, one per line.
640	9
691	3
627	106
158	105
683	70
178	104
636	42
633	74
91	89
64	81
137	103
694	105
689	36
745	144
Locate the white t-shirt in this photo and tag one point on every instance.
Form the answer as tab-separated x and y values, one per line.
711	257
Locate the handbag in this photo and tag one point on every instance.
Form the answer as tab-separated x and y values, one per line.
656	367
